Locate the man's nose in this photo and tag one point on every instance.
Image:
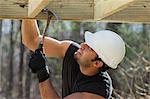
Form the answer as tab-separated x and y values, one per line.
84	46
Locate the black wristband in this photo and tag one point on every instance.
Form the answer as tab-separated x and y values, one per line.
43	74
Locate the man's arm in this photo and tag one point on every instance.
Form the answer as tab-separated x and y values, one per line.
38	66
47	90
31	38
83	95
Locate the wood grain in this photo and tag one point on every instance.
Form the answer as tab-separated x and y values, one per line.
82	10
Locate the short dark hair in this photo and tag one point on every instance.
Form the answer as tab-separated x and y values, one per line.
105	67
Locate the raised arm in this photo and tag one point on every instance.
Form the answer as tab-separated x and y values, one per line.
47	90
31	38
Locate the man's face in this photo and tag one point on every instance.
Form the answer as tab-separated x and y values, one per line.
84	55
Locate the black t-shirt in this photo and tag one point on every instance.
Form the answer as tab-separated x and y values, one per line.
75	81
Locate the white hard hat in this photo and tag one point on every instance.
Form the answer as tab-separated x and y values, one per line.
108	45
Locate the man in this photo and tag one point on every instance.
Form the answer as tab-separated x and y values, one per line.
84	73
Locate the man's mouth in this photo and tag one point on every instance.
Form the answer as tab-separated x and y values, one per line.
78	52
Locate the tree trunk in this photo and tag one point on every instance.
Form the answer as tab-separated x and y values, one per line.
27	79
10	67
146	32
1	56
1	68
20	73
1	59
0	30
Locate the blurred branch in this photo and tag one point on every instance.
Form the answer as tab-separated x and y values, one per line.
140	88
141	57
126	80
117	95
125	72
131	62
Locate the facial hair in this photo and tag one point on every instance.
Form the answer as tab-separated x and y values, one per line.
81	63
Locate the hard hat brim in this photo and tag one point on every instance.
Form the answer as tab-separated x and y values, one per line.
89	39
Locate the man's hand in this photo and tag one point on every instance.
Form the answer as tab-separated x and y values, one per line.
38	66
37	61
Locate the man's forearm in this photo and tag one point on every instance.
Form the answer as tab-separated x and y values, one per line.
30	33
47	90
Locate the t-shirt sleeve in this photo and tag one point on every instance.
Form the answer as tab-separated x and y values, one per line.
69	61
69	70
71	50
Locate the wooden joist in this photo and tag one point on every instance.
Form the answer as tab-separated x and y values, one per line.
138	11
104	8
13	9
35	7
97	10
73	9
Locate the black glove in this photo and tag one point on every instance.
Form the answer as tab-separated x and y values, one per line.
38	66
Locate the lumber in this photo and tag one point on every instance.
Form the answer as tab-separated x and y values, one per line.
35	7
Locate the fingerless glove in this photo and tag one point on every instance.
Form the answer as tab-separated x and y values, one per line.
38	66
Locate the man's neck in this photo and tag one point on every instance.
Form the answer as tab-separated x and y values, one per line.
88	71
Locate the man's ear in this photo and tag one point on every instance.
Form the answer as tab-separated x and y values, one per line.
98	64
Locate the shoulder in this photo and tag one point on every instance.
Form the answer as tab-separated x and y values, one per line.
107	83
71	47
68	45
105	78
83	95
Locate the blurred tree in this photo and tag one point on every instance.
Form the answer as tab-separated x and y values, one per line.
10	65
1	61
27	83
21	65
0	30
131	70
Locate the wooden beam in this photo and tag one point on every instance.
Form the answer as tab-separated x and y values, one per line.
13	9
137	12
35	7
73	9
81	10
104	8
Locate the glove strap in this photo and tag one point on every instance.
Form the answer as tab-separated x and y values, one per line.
43	74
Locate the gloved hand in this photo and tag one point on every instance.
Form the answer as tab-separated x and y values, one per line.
38	66
37	61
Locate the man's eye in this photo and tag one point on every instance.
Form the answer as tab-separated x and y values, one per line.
91	49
